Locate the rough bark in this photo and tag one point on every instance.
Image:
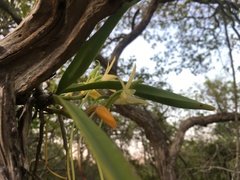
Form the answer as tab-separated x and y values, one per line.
48	37
51	34
12	160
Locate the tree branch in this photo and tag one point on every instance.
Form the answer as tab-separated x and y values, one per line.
11	156
136	31
232	4
48	37
5	6
193	121
145	120
154	134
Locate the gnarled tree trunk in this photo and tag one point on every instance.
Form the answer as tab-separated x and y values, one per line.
43	42
11	156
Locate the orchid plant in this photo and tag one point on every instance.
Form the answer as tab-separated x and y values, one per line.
110	160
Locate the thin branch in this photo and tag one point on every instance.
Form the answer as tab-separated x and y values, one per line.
234	94
134	18
64	135
229	15
40	141
13	13
136	31
220	168
232	4
186	166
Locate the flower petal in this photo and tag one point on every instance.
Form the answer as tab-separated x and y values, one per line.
109	67
133	100
94	94
106	116
131	77
108	77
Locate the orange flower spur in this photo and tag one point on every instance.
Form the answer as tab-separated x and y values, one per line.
106	116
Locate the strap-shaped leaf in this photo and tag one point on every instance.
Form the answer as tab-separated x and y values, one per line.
106	153
169	98
89	50
146	92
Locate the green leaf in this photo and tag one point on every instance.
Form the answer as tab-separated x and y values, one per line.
106	153
95	85
89	50
146	92
169	98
